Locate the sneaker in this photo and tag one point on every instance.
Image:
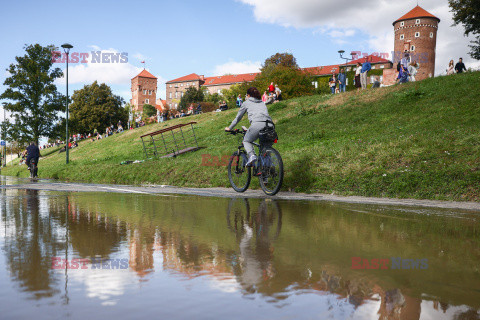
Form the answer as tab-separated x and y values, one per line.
251	160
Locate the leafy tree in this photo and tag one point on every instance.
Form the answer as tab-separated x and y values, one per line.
192	95
213	98
282	69
467	12
280	59
149	110
96	107
35	101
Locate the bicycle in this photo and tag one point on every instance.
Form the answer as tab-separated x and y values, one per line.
268	167
33	168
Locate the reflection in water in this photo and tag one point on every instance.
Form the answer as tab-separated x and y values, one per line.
279	254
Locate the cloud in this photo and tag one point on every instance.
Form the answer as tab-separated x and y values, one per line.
109	73
369	20
234	67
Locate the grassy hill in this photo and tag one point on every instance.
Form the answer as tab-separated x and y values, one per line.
418	140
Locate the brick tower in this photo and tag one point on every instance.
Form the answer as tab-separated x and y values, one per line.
144	90
416	33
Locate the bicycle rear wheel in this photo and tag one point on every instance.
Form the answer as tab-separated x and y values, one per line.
238	173
271	177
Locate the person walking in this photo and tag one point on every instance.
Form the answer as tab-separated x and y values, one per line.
460	66
358	84
451	68
366	66
342	80
332	83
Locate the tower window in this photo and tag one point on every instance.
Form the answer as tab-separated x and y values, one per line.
412	48
417	21
147	101
402	24
417	34
431	34
402	36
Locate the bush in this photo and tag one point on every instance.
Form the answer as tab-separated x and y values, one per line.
149	111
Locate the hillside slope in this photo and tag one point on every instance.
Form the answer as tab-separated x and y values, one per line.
419	140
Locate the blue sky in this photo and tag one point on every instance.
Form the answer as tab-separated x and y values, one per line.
176	38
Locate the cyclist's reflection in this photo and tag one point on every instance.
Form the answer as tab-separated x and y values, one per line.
255	233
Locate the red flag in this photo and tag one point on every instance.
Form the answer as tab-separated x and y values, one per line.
142	61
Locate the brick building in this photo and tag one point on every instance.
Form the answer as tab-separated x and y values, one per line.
177	87
144	90
416	34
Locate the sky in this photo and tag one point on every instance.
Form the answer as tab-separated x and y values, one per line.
211	37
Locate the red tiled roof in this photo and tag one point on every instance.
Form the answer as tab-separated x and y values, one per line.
371	58
417	12
322	70
227	79
190	77
145	74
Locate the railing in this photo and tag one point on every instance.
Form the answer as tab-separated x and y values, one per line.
171	141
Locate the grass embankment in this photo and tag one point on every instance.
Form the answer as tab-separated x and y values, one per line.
419	140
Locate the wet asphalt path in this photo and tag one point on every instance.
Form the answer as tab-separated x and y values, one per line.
49	185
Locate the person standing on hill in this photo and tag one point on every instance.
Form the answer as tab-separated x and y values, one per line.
332	83
342	80
366	66
358	83
460	66
451	68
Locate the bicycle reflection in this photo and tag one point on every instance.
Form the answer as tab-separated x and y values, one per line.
255	232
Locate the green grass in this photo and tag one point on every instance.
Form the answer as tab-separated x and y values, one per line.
418	140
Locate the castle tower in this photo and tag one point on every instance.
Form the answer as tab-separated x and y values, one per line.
416	33
144	90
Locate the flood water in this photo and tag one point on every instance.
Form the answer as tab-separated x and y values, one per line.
184	257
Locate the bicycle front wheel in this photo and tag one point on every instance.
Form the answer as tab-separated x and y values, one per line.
271	177
238	173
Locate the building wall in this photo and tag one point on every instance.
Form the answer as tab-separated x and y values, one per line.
139	96
424	46
216	88
175	90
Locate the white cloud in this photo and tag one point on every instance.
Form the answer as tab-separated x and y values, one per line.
234	67
109	73
343	18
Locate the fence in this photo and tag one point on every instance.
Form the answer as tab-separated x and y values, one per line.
170	142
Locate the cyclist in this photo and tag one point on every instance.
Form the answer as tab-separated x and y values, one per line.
257	115
32	153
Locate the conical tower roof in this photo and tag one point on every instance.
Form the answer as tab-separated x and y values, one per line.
415	13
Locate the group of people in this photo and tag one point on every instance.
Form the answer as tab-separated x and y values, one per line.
456	68
407	70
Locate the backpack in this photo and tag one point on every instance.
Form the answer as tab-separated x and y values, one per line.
398	66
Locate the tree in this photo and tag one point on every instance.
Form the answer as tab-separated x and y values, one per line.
149	110
467	12
35	102
280	59
192	95
96	107
282	69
